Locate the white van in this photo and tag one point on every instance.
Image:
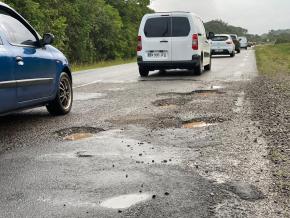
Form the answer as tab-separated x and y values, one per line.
173	40
244	42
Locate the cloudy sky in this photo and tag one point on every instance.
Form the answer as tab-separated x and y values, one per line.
258	16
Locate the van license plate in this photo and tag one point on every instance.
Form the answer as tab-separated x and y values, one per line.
157	54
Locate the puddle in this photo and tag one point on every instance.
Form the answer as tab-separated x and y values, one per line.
125	201
195	124
78	133
83	96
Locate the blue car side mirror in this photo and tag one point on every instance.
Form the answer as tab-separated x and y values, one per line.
47	39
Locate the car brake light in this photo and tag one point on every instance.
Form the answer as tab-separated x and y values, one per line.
139	46
195	42
229	42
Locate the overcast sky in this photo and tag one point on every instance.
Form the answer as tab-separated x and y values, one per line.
258	16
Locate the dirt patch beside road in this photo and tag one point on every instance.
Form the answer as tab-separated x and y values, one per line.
270	99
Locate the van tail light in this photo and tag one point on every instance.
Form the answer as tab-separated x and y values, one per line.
229	42
195	41
139	46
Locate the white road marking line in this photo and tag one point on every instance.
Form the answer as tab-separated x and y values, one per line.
87	84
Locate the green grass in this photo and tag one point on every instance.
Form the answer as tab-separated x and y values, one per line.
273	59
80	67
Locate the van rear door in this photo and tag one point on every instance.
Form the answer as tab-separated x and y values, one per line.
156	40
181	39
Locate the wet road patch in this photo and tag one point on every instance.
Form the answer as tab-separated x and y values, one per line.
125	201
78	133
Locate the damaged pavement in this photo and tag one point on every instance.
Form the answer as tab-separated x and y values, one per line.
172	145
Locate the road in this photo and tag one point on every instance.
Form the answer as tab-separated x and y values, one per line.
170	145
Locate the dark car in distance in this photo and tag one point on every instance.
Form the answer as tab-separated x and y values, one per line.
236	42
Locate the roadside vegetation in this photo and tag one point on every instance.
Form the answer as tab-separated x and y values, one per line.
100	64
273	59
89	31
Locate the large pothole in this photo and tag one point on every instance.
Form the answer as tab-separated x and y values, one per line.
78	133
201	92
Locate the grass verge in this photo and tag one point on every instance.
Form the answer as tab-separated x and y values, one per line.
273	59
80	67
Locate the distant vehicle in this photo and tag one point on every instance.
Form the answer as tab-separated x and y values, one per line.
222	44
244	42
32	72
173	40
236	42
250	44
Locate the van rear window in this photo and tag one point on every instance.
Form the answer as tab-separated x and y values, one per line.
158	27
167	27
180	26
220	38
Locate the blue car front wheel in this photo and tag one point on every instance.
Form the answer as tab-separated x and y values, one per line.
62	103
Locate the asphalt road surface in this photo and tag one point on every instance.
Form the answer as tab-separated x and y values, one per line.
170	145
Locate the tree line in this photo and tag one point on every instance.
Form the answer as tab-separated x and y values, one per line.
87	31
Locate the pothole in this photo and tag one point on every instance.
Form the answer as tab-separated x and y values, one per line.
78	136
195	124
245	191
201	122
170	102
125	201
201	92
78	133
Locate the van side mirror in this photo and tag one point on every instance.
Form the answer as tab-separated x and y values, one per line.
47	39
210	35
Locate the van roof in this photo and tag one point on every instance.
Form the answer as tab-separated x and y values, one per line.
174	12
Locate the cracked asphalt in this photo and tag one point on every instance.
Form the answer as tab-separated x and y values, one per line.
170	145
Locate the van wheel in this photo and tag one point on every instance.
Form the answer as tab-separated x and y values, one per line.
233	54
62	103
239	51
208	67
143	72
198	69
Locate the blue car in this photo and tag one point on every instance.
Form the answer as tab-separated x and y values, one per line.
32	72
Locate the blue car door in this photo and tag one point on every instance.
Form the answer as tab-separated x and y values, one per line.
7	80
35	67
